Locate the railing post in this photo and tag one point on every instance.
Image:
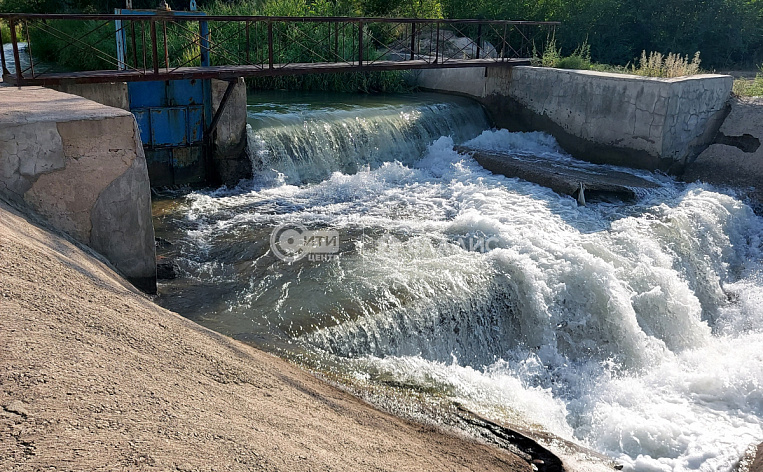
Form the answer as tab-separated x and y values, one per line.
503	46
479	40
336	41
204	45
29	48
121	43
166	49
134	45
248	46
154	47
437	44
3	69
16	56
413	41
270	44
360	43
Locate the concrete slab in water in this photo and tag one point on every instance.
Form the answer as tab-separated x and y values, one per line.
561	178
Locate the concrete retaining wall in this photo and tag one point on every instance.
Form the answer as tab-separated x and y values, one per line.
81	166
736	156
229	161
113	94
600	117
230	157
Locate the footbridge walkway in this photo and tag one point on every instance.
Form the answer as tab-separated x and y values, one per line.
156	45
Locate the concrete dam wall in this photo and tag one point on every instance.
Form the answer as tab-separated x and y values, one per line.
600	117
81	166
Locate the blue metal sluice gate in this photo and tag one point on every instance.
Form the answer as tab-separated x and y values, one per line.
172	116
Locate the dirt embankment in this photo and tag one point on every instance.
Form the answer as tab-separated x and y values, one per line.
93	376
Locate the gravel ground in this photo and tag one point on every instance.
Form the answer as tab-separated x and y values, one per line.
94	376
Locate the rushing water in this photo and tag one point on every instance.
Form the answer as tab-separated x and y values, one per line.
635	329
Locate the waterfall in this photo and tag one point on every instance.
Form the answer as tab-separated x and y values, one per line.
635	329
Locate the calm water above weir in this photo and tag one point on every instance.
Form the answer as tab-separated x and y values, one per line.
635	329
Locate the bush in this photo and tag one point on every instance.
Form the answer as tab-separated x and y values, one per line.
552	56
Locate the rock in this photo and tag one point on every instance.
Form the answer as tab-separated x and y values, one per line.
162	243
166	269
17	407
757	465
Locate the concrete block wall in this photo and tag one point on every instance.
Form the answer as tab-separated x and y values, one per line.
81	166
735	158
230	157
607	118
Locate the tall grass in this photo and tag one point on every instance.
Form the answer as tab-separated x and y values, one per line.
552	56
750	87
655	64
5	31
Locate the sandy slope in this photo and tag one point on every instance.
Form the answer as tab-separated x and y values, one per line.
95	376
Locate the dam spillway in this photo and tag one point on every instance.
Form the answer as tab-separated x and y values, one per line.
634	329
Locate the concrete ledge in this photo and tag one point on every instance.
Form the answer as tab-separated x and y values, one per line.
600	117
80	165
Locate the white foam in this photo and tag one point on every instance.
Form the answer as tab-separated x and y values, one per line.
636	329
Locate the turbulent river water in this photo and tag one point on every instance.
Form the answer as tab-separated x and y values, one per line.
635	329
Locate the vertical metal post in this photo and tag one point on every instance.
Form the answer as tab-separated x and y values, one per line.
29	48
437	44
16	56
166	50
503	47
270	44
336	40
479	40
360	43
3	69
413	41
204	46
154	47
121	41
143	42
248	45
134	46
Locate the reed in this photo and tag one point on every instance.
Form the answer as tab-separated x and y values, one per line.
656	64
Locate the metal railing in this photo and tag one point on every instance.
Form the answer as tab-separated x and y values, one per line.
157	45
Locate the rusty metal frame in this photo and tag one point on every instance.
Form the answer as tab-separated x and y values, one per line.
363	45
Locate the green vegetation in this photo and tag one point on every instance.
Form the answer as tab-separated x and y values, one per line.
5	32
750	87
618	33
670	66
552	56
